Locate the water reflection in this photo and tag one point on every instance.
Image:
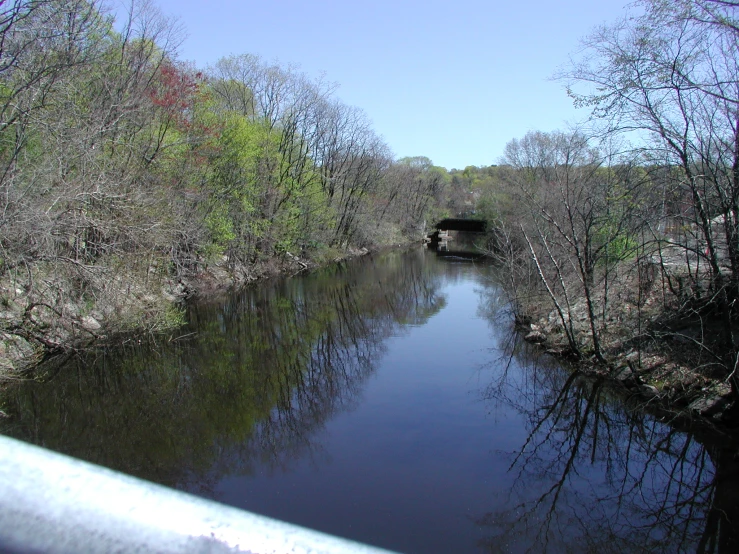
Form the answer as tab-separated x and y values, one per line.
460	244
596	475
338	401
249	387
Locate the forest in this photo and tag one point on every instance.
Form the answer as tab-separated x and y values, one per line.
127	176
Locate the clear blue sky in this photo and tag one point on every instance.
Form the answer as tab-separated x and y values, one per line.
453	80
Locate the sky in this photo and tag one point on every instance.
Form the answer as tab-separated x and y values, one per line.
452	80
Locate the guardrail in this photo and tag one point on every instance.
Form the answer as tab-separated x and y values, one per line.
53	503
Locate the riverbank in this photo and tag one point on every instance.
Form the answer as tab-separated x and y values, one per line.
655	355
99	303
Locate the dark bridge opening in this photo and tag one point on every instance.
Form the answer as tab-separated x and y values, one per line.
467	225
459	238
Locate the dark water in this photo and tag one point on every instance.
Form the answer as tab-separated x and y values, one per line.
387	400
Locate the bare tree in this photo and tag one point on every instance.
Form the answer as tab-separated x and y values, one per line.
671	75
578	222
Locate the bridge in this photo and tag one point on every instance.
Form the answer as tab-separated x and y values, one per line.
464	234
462	224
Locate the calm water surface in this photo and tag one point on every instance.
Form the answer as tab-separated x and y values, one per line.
387	400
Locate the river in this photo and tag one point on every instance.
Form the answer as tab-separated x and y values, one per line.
387	400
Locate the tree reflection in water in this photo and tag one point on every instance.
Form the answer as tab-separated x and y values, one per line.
257	377
250	392
596	474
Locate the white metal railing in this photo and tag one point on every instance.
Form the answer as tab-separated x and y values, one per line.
53	503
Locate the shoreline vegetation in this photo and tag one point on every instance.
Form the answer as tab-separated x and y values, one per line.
151	305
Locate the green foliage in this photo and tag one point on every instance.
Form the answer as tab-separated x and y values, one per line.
617	245
112	149
221	230
173	317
